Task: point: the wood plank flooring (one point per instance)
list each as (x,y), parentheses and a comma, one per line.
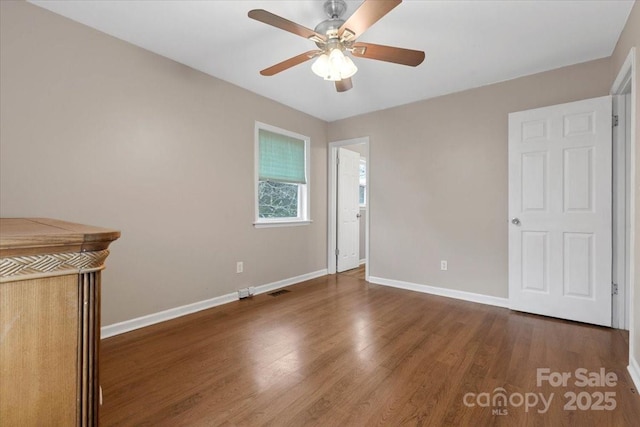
(338,351)
(358,273)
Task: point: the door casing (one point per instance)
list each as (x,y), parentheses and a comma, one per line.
(623,90)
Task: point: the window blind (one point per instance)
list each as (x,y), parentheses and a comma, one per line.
(281,158)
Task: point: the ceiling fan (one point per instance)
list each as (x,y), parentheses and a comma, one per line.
(335,36)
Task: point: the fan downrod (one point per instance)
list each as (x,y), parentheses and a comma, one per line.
(335,8)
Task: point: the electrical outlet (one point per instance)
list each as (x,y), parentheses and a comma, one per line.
(239,267)
(443,265)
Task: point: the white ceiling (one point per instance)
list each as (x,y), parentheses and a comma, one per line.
(467,44)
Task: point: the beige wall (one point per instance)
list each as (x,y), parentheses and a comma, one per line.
(629,38)
(98,131)
(439,177)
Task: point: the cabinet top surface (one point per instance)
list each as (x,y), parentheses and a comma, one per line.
(24,236)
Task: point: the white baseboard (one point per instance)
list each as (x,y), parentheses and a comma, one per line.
(172,313)
(291,281)
(443,292)
(362,261)
(634,371)
(161,316)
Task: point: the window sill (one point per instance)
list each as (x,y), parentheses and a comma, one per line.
(288,223)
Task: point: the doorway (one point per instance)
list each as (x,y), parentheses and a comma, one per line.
(361,146)
(622,229)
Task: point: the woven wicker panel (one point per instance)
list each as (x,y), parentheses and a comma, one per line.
(51,263)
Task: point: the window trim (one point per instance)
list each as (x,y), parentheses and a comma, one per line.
(304,216)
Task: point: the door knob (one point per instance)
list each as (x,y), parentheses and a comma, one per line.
(358,215)
(515,221)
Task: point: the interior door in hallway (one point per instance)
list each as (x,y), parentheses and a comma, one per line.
(560,211)
(348,209)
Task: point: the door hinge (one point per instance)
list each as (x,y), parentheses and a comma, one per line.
(614,289)
(615,120)
(337,160)
(337,252)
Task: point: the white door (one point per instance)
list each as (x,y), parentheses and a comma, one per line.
(560,211)
(348,209)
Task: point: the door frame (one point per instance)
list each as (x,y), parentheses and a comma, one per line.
(622,310)
(332,204)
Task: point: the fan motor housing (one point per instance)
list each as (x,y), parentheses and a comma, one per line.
(329,28)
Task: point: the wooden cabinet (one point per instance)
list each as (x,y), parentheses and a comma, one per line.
(50,321)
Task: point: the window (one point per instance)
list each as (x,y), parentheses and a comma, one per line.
(363,183)
(282,177)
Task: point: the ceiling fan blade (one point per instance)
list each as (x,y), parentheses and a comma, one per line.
(397,55)
(344,85)
(284,24)
(366,15)
(291,62)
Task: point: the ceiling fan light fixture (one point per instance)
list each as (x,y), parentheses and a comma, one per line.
(321,67)
(348,68)
(336,57)
(328,67)
(335,66)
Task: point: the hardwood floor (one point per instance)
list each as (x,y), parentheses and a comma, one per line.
(337,351)
(358,272)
